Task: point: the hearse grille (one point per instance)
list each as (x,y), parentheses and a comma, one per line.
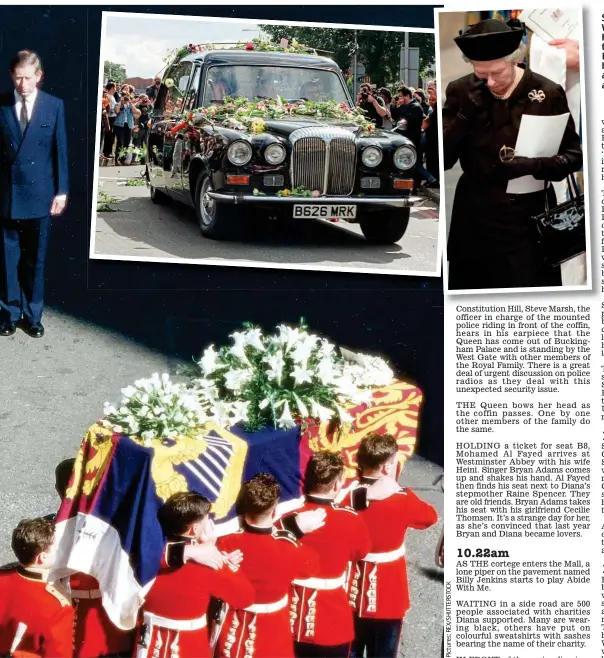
(324,159)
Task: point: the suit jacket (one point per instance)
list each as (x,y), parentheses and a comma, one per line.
(33,165)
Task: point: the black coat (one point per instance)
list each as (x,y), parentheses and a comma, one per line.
(485,219)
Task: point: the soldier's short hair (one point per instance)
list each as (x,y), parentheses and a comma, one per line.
(26,58)
(32,537)
(181,510)
(259,495)
(375,450)
(63,473)
(324,468)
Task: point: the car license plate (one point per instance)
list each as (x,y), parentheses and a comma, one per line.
(325,211)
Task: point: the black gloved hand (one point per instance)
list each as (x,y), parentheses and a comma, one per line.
(516,168)
(478,99)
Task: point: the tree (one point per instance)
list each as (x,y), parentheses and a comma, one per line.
(379,52)
(114,71)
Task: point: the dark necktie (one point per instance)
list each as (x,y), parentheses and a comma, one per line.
(23,118)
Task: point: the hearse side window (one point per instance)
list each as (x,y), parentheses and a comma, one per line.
(191,98)
(180,75)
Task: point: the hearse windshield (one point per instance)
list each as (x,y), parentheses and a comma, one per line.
(271,81)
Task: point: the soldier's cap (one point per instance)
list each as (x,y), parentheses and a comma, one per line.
(490,39)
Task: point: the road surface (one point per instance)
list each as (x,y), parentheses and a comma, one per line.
(142,230)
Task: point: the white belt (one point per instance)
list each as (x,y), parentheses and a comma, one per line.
(175,624)
(391,556)
(86,594)
(323,583)
(267,608)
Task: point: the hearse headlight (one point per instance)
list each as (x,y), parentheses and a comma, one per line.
(405,157)
(274,154)
(239,153)
(372,156)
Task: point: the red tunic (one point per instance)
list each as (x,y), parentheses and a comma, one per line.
(378,587)
(271,560)
(184,594)
(322,611)
(94,633)
(38,612)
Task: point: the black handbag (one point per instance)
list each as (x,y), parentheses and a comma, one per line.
(562,229)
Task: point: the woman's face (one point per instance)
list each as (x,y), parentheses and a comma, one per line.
(499,74)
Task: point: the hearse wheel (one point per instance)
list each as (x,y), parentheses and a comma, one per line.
(385,226)
(216,220)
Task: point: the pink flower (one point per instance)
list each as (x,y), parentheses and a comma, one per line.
(316,193)
(249,46)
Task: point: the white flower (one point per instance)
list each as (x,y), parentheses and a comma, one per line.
(239,411)
(128,392)
(165,378)
(286,419)
(236,379)
(118,429)
(326,371)
(264,404)
(301,375)
(302,408)
(209,362)
(345,417)
(123,411)
(240,343)
(276,363)
(320,412)
(253,338)
(109,409)
(326,348)
(304,349)
(288,336)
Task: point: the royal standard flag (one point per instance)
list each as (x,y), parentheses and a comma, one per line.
(107,525)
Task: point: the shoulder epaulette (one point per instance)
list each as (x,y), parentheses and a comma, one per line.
(61,598)
(284,534)
(345,508)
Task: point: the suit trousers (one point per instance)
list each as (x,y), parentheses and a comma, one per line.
(23,245)
(379,638)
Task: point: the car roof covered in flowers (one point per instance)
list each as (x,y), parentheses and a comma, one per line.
(255,57)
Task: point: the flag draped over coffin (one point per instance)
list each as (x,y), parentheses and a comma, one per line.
(108,527)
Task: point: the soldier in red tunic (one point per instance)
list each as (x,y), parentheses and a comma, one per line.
(174,615)
(272,559)
(36,619)
(321,614)
(379,590)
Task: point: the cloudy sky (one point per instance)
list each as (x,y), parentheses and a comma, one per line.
(141,42)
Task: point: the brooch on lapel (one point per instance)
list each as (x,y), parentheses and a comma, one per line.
(538,96)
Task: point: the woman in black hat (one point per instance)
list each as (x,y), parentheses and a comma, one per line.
(493,240)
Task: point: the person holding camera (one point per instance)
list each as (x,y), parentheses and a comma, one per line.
(373,106)
(126,113)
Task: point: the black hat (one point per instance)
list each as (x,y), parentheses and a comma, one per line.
(488,40)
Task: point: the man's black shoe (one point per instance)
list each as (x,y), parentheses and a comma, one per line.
(7,328)
(33,330)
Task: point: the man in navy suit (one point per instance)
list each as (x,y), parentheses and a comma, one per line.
(33,187)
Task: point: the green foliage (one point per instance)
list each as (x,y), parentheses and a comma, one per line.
(114,71)
(379,51)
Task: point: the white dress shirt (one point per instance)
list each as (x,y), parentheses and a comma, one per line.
(29,108)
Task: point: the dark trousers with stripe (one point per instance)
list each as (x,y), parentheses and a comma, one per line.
(23,244)
(306,650)
(376,638)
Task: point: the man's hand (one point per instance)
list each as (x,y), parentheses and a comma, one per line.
(206,554)
(382,489)
(571,47)
(58,205)
(235,558)
(311,520)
